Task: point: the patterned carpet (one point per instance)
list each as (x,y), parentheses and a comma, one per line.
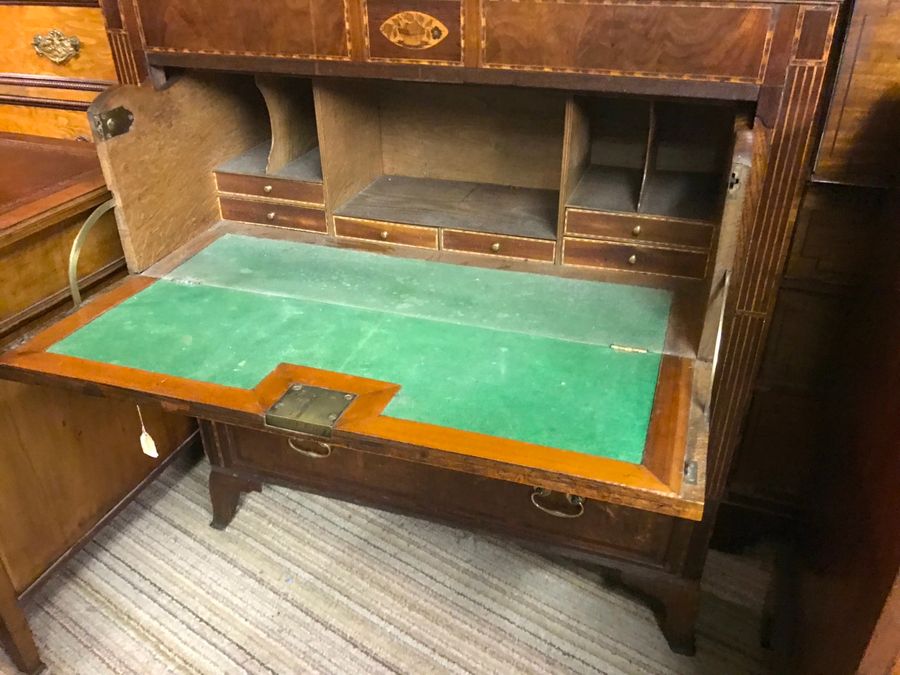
(301,584)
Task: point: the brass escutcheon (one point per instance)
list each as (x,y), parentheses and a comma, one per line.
(56,46)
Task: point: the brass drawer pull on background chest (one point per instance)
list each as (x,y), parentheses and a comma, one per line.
(322,450)
(495,247)
(56,46)
(572,505)
(632,259)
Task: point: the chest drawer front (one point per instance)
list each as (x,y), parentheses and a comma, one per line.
(497,245)
(417,31)
(272,188)
(480,502)
(637,229)
(80,50)
(299,28)
(688,40)
(388,233)
(270,213)
(630,258)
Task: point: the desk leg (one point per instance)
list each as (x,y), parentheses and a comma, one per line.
(675,601)
(15,635)
(225,491)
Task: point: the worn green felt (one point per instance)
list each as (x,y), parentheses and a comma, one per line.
(535,304)
(559,393)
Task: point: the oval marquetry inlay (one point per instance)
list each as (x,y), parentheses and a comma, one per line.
(414,30)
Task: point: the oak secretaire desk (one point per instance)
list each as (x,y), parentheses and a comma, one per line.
(470,260)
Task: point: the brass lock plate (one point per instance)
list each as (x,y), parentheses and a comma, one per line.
(309,410)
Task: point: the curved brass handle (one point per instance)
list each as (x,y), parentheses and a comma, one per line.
(78,243)
(323,451)
(56,46)
(572,500)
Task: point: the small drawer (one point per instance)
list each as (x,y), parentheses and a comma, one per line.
(416,32)
(498,245)
(587,253)
(637,228)
(71,41)
(338,470)
(270,188)
(269,213)
(389,233)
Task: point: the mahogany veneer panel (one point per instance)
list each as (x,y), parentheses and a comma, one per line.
(272,213)
(310,28)
(270,187)
(390,233)
(482,502)
(686,40)
(637,228)
(500,246)
(671,262)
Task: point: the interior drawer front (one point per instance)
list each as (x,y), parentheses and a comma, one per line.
(414,31)
(631,258)
(269,213)
(295,28)
(91,59)
(497,245)
(637,229)
(389,233)
(273,188)
(689,40)
(476,501)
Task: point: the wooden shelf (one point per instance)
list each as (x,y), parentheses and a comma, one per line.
(607,188)
(461,205)
(306,168)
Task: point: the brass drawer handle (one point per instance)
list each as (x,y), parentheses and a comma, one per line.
(495,247)
(267,189)
(573,500)
(632,259)
(315,454)
(636,231)
(56,46)
(270,215)
(384,234)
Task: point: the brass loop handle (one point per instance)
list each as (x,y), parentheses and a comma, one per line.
(78,243)
(325,449)
(574,500)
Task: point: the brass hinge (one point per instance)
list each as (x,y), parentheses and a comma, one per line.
(112,123)
(309,410)
(629,350)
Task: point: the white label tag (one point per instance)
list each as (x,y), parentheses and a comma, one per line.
(148,445)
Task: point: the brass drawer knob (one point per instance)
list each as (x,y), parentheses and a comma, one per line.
(632,259)
(384,234)
(495,246)
(270,215)
(267,189)
(570,506)
(318,450)
(56,46)
(636,231)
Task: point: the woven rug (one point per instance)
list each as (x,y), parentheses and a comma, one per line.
(299,583)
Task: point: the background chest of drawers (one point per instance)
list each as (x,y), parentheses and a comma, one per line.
(54,59)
